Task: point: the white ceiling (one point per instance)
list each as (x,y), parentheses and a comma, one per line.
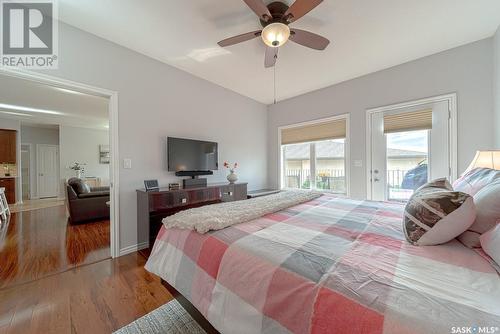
(366,36)
(34,103)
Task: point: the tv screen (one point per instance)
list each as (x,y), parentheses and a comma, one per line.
(191,155)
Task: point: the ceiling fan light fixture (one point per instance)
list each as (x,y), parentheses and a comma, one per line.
(275,34)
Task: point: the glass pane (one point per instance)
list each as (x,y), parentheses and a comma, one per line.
(407,163)
(297,172)
(330,165)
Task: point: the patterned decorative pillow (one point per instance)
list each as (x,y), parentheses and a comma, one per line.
(436,214)
(487,202)
(475,180)
(441,183)
(490,241)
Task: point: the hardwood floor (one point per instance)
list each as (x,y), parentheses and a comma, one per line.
(96,298)
(40,243)
(59,278)
(35,204)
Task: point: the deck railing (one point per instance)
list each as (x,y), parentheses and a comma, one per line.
(330,178)
(395,178)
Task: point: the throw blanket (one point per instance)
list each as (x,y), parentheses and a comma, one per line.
(219,216)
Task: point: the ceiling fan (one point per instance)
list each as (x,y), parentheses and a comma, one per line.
(275,19)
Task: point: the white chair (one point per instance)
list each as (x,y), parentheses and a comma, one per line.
(4,208)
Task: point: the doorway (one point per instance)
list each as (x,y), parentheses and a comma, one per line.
(76,88)
(408,145)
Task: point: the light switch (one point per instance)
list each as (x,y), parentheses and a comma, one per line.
(358,163)
(127,163)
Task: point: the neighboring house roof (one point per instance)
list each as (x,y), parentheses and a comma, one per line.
(335,150)
(397,153)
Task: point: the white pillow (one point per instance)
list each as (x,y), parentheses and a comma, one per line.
(487,202)
(490,241)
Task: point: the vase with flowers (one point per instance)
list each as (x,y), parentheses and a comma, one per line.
(78,168)
(232,177)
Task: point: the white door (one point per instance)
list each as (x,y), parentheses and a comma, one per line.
(47,170)
(404,159)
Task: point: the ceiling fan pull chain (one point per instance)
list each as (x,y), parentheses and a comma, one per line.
(274,71)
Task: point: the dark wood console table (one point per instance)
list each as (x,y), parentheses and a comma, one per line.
(153,206)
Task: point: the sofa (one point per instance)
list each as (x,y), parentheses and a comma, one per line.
(86,203)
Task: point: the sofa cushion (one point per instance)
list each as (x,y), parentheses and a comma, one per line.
(475,180)
(487,201)
(435,214)
(79,185)
(94,194)
(99,188)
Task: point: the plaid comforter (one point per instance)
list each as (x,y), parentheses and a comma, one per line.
(330,265)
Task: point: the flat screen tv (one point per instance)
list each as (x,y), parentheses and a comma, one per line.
(188,155)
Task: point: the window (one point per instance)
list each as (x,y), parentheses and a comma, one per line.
(407,163)
(330,165)
(314,156)
(297,158)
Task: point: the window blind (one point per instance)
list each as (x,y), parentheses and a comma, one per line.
(408,121)
(315,132)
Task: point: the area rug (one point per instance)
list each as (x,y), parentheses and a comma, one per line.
(170,318)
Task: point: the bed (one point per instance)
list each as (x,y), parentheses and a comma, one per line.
(330,265)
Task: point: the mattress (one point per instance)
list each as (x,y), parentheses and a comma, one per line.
(330,265)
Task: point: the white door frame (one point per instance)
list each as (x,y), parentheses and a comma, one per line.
(347,151)
(113,140)
(38,168)
(451,99)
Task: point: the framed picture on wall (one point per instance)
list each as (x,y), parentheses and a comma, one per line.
(104,154)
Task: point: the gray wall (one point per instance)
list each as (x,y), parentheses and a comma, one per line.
(39,135)
(82,145)
(466,70)
(155,101)
(496,86)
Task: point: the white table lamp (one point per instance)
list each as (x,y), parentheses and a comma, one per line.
(486,159)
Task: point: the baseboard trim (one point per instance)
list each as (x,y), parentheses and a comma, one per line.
(133,248)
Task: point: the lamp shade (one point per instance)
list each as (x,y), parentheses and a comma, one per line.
(275,34)
(486,159)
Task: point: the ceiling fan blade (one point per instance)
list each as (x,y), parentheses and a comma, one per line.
(240,38)
(300,8)
(271,57)
(309,39)
(260,9)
